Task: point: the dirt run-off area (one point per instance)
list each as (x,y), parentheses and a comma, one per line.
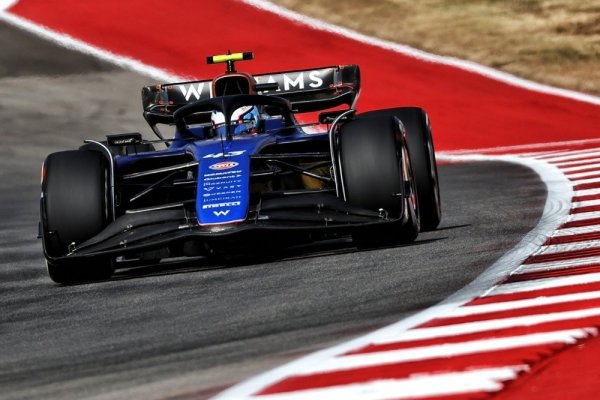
(556,42)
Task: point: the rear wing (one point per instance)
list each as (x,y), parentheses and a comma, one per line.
(307,90)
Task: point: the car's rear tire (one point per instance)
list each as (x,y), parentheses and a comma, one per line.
(75,207)
(420,143)
(371,157)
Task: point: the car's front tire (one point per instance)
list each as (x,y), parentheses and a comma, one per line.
(75,207)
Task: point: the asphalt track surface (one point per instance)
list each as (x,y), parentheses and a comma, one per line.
(188,330)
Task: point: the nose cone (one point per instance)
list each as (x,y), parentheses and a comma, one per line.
(222,196)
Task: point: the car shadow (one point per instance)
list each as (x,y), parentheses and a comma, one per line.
(451,227)
(137,269)
(302,251)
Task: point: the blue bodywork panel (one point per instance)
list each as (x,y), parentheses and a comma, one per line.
(222,195)
(223,192)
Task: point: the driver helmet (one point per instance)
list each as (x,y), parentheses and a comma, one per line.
(244,120)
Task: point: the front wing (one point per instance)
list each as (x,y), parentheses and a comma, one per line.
(280,221)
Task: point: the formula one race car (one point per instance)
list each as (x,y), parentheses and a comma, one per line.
(240,171)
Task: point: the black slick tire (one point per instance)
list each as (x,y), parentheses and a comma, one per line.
(422,153)
(75,207)
(372,154)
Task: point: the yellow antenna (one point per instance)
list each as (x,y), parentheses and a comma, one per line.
(230,58)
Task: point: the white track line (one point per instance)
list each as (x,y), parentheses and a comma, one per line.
(570,156)
(517,304)
(78,45)
(575,231)
(551,156)
(543,155)
(568,247)
(583,175)
(535,154)
(422,55)
(6,4)
(444,331)
(450,350)
(586,181)
(586,203)
(546,283)
(589,169)
(586,192)
(554,265)
(583,216)
(570,170)
(483,380)
(588,162)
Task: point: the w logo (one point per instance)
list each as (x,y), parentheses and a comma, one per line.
(221,213)
(195,91)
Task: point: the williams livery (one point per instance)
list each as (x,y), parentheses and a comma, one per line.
(237,172)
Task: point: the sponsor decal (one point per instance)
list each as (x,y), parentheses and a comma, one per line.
(220,176)
(229,193)
(221,205)
(123,141)
(221,213)
(297,80)
(224,165)
(193,90)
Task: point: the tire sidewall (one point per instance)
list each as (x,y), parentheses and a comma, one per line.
(75,202)
(422,153)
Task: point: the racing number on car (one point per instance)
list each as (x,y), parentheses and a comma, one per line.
(229,154)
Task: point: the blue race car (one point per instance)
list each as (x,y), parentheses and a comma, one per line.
(239,166)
